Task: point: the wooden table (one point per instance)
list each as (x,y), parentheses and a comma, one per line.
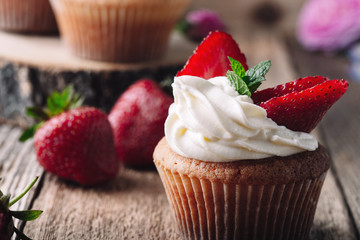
(134,205)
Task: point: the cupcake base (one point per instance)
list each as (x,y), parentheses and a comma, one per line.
(117,31)
(208,205)
(30,16)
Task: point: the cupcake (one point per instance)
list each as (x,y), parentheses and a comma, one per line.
(228,169)
(118,30)
(30,16)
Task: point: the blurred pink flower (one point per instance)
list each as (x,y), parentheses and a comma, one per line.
(202,22)
(329,25)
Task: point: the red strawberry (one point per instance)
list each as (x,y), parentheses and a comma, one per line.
(301,104)
(210,59)
(289,87)
(76,145)
(138,119)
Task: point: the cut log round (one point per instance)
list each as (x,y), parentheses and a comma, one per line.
(31,67)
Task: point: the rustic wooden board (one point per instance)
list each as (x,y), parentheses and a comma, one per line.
(332,220)
(134,205)
(18,167)
(340,126)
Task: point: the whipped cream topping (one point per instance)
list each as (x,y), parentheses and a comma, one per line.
(210,121)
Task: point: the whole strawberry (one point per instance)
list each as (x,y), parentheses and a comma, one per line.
(137,119)
(7,228)
(72,142)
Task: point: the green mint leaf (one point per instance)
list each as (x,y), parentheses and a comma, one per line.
(30,132)
(238,83)
(256,74)
(252,78)
(237,67)
(27,215)
(253,86)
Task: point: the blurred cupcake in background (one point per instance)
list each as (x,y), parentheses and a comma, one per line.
(27,16)
(197,24)
(118,30)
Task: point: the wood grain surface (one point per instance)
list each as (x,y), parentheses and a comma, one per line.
(340,126)
(134,205)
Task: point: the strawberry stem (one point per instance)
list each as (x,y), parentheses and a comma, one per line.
(21,235)
(14,200)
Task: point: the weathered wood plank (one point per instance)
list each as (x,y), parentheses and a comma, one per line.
(18,167)
(331,218)
(340,127)
(133,206)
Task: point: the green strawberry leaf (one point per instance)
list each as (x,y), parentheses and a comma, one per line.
(21,235)
(57,103)
(251,78)
(238,83)
(37,113)
(53,106)
(30,132)
(76,101)
(27,215)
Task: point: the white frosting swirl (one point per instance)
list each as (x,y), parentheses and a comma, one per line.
(210,121)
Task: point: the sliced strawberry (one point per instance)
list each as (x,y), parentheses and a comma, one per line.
(301,108)
(289,87)
(210,59)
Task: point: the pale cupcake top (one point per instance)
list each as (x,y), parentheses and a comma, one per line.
(210,121)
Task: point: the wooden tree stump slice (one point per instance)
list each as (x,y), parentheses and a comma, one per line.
(31,67)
